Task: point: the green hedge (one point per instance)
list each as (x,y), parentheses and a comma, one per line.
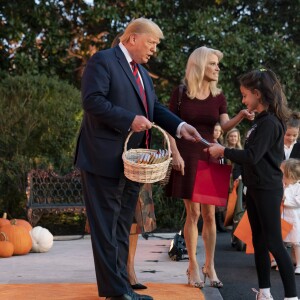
(39,120)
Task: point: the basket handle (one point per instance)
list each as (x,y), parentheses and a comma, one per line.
(155,126)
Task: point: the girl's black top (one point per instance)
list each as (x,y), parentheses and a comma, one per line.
(262,153)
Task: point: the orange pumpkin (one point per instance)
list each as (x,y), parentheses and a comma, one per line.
(19,236)
(6,247)
(3,220)
(24,223)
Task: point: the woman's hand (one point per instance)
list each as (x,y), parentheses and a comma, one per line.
(248,115)
(178,163)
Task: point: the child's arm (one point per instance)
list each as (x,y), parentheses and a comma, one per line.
(291,198)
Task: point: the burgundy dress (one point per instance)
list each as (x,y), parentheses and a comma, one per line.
(203,115)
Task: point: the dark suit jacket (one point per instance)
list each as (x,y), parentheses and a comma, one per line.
(296,151)
(111,100)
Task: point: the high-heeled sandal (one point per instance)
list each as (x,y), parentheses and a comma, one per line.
(213,283)
(191,282)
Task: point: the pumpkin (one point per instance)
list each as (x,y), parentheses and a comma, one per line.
(3,220)
(6,247)
(42,239)
(19,236)
(24,223)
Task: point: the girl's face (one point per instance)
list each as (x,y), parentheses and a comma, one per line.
(251,99)
(232,139)
(291,136)
(217,132)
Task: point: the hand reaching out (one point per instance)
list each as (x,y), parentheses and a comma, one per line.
(189,133)
(248,115)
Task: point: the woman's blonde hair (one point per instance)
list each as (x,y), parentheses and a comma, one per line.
(291,168)
(238,144)
(195,70)
(140,26)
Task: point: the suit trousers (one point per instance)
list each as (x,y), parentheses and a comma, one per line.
(110,205)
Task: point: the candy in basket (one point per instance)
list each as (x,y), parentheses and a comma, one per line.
(146,165)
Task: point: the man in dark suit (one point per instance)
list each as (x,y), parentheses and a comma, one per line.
(113,104)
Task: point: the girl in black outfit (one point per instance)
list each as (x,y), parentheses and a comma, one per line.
(260,160)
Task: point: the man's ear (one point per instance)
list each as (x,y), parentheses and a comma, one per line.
(132,39)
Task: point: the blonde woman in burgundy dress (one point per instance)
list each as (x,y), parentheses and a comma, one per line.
(203,105)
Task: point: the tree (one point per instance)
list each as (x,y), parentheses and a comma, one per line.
(37,129)
(56,37)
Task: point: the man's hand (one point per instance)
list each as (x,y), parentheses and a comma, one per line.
(140,123)
(189,133)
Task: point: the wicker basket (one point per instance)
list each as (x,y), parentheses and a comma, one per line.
(145,173)
(166,180)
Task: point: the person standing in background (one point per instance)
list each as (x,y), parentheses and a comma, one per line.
(219,214)
(218,134)
(233,140)
(260,159)
(291,150)
(291,205)
(118,96)
(291,144)
(203,105)
(144,222)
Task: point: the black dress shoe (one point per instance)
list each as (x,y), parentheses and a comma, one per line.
(123,297)
(141,297)
(130,296)
(138,286)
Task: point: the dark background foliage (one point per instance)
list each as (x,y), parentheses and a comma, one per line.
(38,125)
(44,46)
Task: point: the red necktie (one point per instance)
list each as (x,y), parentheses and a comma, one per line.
(142,93)
(136,75)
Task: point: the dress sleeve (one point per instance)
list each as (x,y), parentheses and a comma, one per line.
(173,102)
(223,105)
